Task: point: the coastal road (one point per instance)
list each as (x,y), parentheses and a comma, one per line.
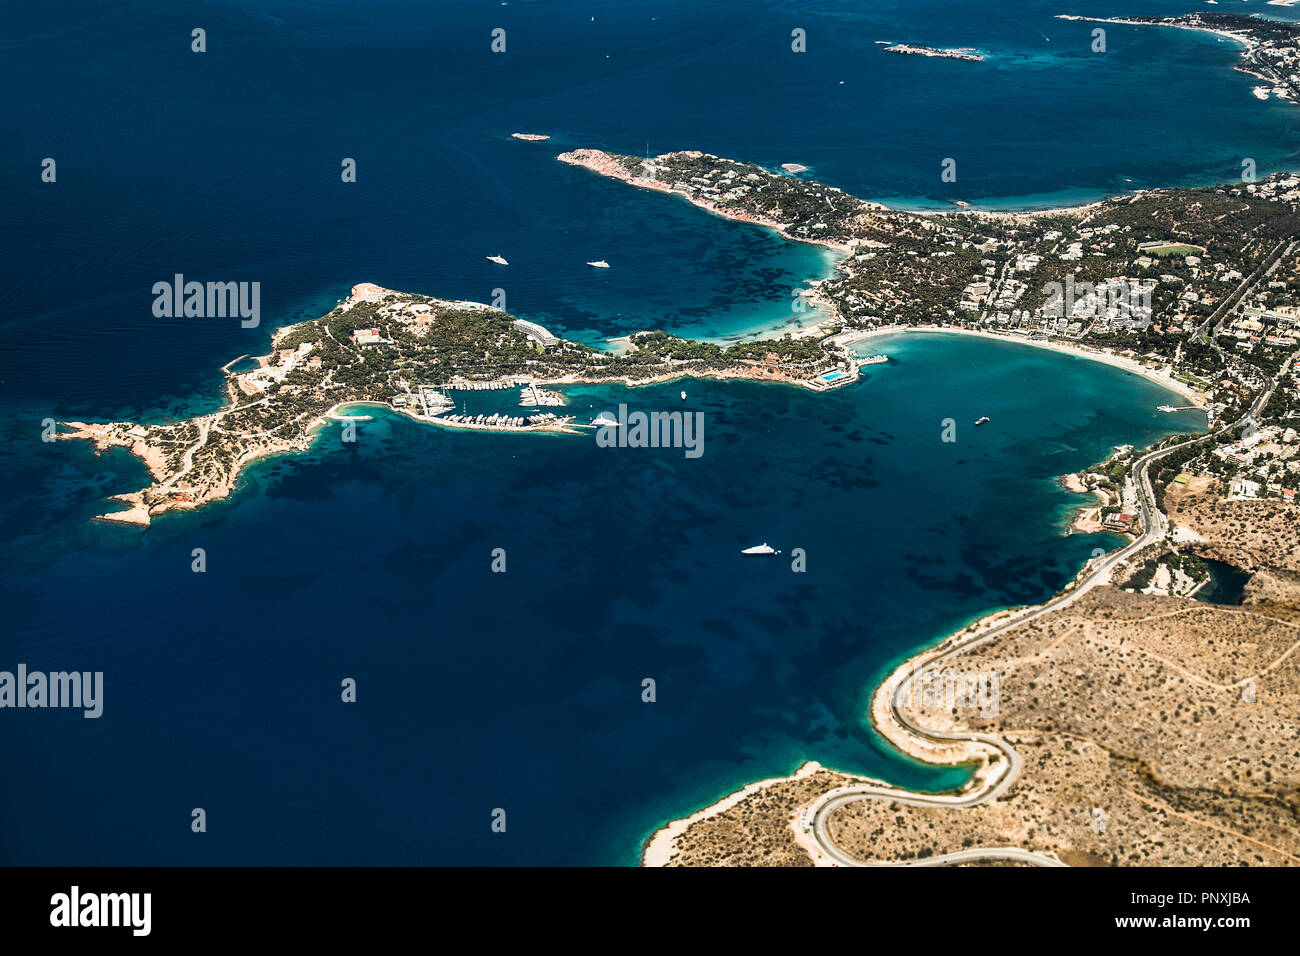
(1155,525)
(829,802)
(1252,58)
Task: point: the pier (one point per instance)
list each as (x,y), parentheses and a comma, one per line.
(468,385)
(433,401)
(532,396)
(544,421)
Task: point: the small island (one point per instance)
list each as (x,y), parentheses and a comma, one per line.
(932,51)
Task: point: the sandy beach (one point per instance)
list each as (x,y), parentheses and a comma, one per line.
(1087,518)
(604,164)
(1096,355)
(1245,41)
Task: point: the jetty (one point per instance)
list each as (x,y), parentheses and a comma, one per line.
(544,421)
(493,385)
(531,396)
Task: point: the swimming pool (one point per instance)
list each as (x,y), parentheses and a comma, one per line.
(832,376)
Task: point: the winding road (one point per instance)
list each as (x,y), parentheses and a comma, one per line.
(1155,525)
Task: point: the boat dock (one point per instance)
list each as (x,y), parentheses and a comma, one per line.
(544,421)
(433,401)
(468,385)
(532,396)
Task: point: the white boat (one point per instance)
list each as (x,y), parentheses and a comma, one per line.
(981,420)
(683,396)
(499,260)
(760,549)
(599,264)
(605,420)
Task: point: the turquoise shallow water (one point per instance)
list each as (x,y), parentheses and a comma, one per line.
(522,690)
(372,560)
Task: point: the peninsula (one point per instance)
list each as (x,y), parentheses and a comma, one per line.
(1129,714)
(1122,700)
(1210,325)
(408,353)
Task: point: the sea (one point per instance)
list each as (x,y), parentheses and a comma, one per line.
(500,602)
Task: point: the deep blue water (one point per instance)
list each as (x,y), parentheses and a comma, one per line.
(372,561)
(521,690)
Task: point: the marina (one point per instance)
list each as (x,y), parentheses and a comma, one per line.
(494,385)
(433,401)
(531,396)
(435,404)
(504,422)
